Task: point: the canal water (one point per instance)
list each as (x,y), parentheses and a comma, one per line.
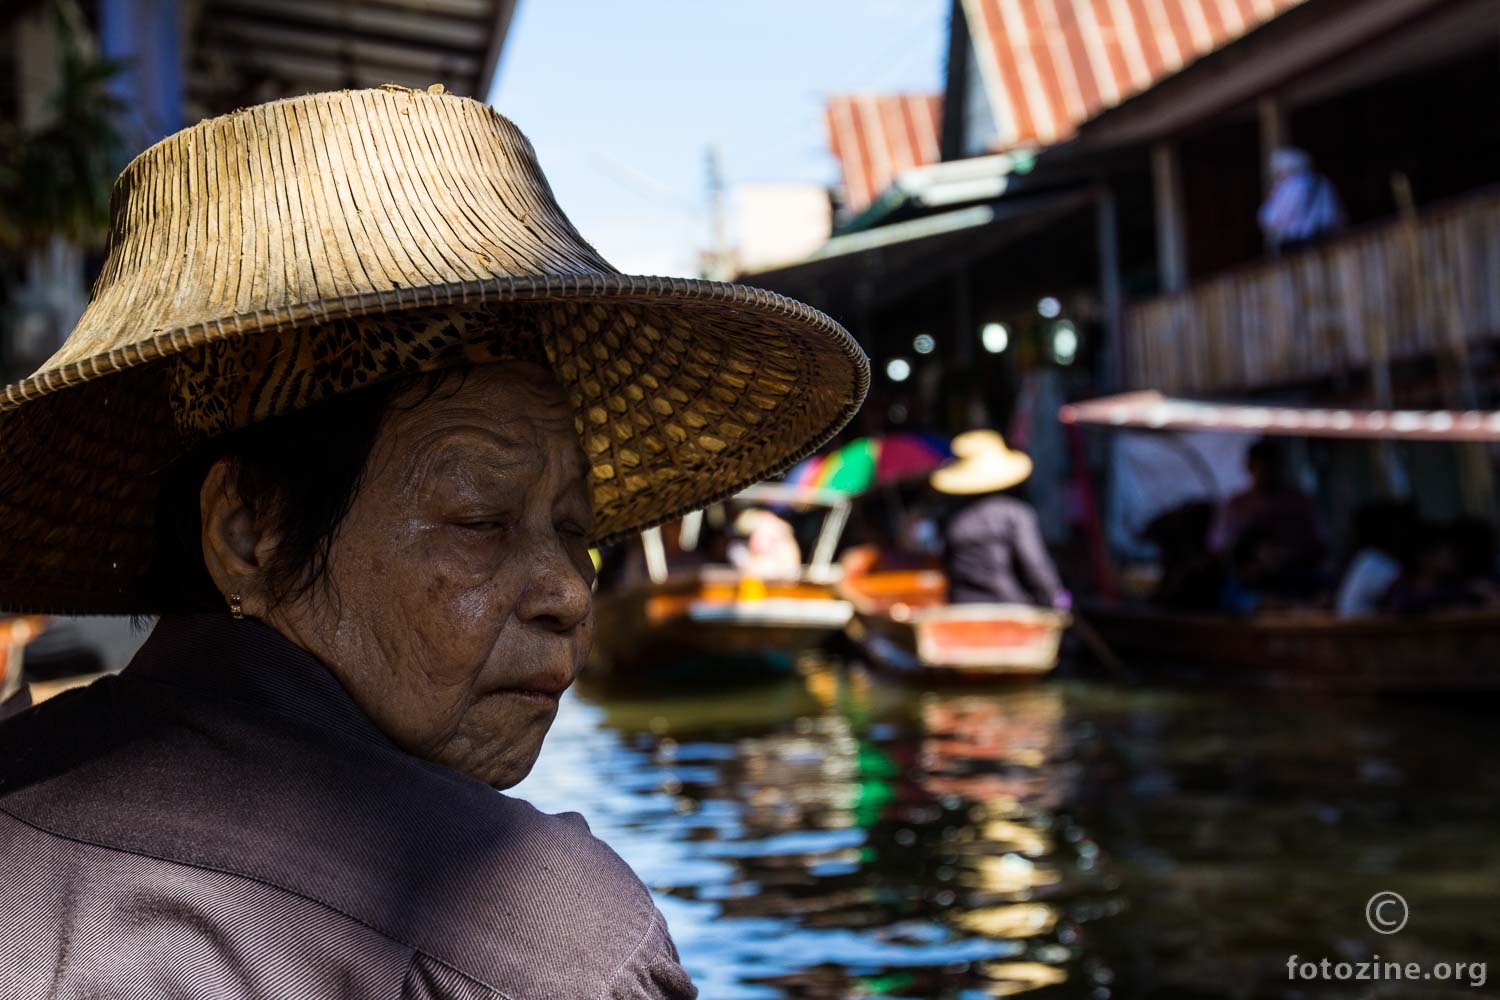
(833,835)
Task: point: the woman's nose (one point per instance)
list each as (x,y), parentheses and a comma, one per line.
(558,597)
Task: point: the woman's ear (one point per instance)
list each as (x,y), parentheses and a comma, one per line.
(237,548)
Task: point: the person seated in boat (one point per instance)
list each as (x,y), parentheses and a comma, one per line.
(765,547)
(992,546)
(912,543)
(1383,534)
(1450,566)
(1192,577)
(354,467)
(1475,546)
(1272,535)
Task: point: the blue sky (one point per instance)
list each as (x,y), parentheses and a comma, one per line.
(621,100)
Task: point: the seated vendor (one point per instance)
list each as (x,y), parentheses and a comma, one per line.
(992,547)
(1271,534)
(765,547)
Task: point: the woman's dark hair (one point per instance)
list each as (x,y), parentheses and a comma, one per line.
(1266,455)
(1474,546)
(1387,525)
(302,470)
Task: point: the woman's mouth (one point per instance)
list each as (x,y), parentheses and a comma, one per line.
(539,689)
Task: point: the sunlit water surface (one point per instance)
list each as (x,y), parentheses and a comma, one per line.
(832,835)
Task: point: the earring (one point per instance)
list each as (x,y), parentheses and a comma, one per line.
(235,610)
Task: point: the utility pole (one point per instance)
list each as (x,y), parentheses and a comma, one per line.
(719,266)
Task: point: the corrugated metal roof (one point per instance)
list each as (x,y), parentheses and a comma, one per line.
(877,136)
(248,51)
(1049,65)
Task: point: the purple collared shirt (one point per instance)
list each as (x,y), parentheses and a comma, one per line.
(222,820)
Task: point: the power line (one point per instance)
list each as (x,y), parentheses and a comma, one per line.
(865,74)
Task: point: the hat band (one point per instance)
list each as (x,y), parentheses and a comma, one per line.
(233,383)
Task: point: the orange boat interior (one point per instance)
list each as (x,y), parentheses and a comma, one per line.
(985,633)
(670,605)
(879,587)
(898,591)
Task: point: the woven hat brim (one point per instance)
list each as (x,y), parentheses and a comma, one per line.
(686,392)
(988,473)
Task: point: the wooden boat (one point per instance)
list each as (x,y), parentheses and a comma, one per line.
(714,623)
(1449,651)
(902,626)
(15,632)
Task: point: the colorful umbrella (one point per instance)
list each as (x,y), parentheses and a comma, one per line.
(869,462)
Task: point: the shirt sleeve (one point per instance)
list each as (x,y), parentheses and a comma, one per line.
(429,979)
(1032,558)
(653,971)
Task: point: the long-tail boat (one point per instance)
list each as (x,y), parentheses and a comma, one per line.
(903,626)
(1441,651)
(1447,651)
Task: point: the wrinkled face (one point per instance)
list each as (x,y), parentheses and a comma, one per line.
(458,604)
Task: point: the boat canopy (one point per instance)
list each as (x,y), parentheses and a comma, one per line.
(1152,411)
(819,568)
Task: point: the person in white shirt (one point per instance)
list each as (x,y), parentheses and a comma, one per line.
(1302,207)
(1382,532)
(766,547)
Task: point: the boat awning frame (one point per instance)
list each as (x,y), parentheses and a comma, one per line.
(1152,411)
(819,568)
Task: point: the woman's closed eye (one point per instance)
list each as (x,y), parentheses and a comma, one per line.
(486,523)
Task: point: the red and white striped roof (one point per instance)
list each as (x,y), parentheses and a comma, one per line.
(1049,65)
(877,136)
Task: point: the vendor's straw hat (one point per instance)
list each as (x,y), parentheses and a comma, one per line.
(245,249)
(985,464)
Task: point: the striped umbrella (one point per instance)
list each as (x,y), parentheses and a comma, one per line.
(870,462)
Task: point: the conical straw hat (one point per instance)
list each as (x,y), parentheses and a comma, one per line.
(984,464)
(245,253)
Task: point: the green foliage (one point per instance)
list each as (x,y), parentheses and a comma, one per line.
(56,180)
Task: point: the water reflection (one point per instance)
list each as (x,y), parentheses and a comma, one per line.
(832,836)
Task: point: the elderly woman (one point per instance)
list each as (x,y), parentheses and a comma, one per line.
(349,406)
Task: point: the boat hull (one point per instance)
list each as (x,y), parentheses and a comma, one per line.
(1451,652)
(707,630)
(976,643)
(902,627)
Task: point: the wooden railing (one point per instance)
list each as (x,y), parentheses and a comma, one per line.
(1391,292)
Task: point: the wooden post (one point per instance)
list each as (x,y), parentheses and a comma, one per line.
(1171,221)
(1455,370)
(1273,134)
(863,326)
(1271,115)
(964,333)
(971,410)
(1111,294)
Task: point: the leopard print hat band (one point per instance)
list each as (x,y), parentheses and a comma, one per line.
(235,383)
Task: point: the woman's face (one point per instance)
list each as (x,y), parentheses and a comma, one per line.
(458,604)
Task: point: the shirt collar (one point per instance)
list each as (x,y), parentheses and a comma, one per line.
(247,662)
